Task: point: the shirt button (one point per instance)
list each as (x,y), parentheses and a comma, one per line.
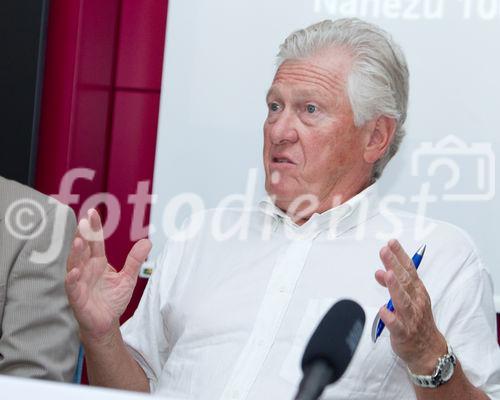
(282,289)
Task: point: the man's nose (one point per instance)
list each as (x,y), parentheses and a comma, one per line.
(284,129)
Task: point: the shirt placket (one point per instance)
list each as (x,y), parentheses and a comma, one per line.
(276,300)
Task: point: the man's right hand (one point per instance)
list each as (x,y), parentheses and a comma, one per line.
(98,293)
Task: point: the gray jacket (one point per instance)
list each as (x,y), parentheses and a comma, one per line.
(38,333)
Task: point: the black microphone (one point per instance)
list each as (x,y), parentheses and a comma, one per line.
(331,348)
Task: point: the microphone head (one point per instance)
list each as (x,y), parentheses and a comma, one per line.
(336,338)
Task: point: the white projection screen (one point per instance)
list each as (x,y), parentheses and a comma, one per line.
(219,63)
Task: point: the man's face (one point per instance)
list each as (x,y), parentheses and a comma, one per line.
(311,146)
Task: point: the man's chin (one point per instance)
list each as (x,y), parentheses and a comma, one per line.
(281,198)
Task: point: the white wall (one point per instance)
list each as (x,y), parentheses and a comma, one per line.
(219,63)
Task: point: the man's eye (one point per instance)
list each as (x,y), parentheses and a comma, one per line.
(311,108)
(274,106)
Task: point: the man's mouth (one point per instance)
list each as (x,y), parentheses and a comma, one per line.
(282,160)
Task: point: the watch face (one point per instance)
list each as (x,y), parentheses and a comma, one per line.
(447,370)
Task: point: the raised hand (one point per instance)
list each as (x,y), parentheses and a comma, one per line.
(415,337)
(98,293)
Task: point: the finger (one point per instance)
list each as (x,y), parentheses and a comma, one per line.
(392,322)
(82,253)
(91,230)
(135,258)
(391,263)
(400,297)
(97,248)
(77,264)
(403,258)
(75,290)
(72,278)
(74,255)
(79,254)
(71,285)
(380,277)
(79,237)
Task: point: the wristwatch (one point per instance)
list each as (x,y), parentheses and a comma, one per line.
(442,373)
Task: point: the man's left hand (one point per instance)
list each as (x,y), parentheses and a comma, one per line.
(415,337)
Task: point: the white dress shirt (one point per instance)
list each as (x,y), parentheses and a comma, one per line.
(229,319)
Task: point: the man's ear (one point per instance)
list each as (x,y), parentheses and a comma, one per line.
(380,138)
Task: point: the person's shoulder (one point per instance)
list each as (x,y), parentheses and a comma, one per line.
(14,195)
(452,259)
(448,245)
(433,228)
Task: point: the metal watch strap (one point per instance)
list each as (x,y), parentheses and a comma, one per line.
(436,379)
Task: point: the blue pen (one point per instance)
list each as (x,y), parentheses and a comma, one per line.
(417,258)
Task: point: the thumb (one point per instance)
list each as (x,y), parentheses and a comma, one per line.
(136,257)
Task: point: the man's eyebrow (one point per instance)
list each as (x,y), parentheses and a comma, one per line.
(307,92)
(272,91)
(300,93)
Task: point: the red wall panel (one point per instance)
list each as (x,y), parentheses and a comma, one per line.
(78,93)
(140,48)
(131,160)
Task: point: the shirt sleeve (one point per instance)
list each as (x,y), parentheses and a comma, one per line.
(144,333)
(466,316)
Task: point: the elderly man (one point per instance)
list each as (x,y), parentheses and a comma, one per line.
(38,333)
(229,317)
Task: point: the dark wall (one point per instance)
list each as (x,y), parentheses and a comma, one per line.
(22,46)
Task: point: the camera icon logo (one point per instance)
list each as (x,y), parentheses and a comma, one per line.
(470,168)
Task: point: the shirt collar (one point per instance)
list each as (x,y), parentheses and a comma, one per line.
(331,218)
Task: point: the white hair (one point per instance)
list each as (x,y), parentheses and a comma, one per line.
(378,81)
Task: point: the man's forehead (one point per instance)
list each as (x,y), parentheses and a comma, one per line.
(310,75)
